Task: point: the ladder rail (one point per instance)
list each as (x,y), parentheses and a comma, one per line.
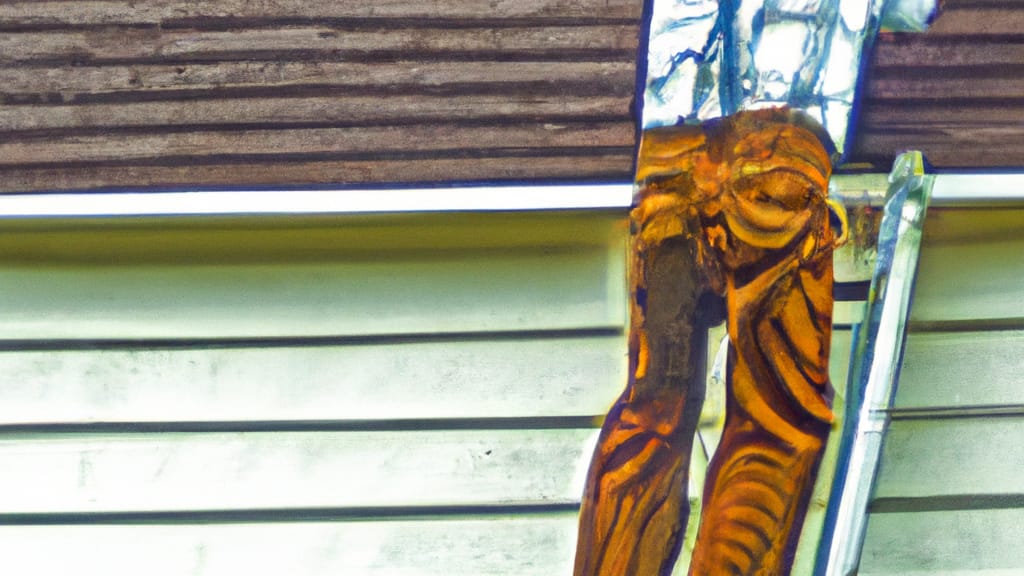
(874,373)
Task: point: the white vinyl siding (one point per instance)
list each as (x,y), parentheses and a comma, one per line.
(379,394)
(949,498)
(305,395)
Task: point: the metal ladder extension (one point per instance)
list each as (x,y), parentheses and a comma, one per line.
(874,371)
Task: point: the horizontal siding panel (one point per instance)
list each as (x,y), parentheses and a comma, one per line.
(169,13)
(923,51)
(967,543)
(468,164)
(484,293)
(323,143)
(313,111)
(971,279)
(287,43)
(952,458)
(531,376)
(73,473)
(505,378)
(961,572)
(876,116)
(973,226)
(433,237)
(927,84)
(976,19)
(534,545)
(962,369)
(967,4)
(299,80)
(946,145)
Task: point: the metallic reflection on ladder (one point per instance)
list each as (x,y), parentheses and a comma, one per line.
(874,371)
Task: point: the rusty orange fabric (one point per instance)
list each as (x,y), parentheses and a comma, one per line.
(731,217)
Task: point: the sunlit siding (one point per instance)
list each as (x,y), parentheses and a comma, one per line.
(950,494)
(359,395)
(314,397)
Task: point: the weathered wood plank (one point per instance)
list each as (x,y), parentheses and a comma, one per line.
(539,165)
(928,84)
(531,545)
(969,543)
(966,115)
(328,143)
(482,292)
(959,369)
(919,51)
(131,83)
(314,112)
(978,20)
(536,377)
(59,473)
(310,43)
(964,4)
(944,145)
(952,457)
(950,91)
(169,13)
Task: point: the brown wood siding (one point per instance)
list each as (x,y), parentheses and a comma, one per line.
(955,92)
(109,94)
(163,93)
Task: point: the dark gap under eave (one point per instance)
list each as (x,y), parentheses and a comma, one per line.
(423,120)
(954,103)
(574,87)
(949,503)
(952,74)
(11,432)
(369,56)
(326,156)
(279,515)
(307,341)
(958,412)
(382,23)
(966,325)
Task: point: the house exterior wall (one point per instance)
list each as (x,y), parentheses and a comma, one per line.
(361,394)
(152,95)
(403,394)
(949,492)
(115,95)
